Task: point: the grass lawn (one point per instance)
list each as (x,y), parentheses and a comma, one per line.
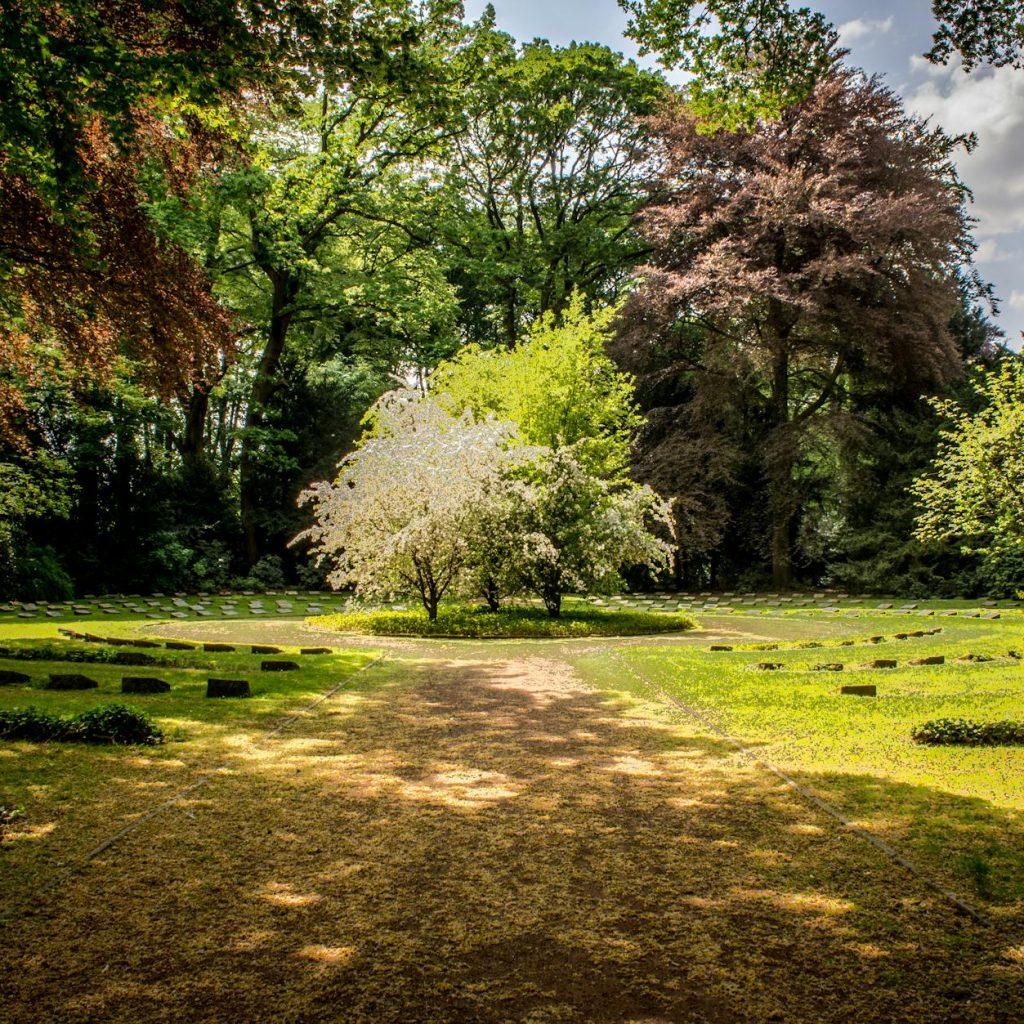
(956,811)
(75,796)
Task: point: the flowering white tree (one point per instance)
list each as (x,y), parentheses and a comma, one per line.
(579,530)
(399,516)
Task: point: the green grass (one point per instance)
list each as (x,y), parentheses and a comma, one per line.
(73,796)
(456,620)
(959,810)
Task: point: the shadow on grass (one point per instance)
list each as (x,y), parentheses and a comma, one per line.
(486,842)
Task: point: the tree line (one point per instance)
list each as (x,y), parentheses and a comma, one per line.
(228,229)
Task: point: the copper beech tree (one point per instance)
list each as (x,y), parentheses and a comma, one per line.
(793,260)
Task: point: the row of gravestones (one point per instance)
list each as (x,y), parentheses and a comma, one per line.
(216,687)
(177,607)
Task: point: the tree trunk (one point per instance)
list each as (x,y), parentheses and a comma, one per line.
(285,290)
(781,502)
(491,595)
(193,437)
(553,603)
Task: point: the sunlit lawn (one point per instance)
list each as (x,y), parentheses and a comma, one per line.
(957,810)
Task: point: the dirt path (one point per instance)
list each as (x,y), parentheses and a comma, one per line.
(494,841)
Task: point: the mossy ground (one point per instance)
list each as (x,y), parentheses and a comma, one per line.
(526,831)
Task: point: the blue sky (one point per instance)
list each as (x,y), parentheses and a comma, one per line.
(884,38)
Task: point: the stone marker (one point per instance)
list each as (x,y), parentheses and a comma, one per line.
(860,690)
(149,644)
(143,684)
(227,688)
(769,666)
(882,663)
(932,659)
(13,678)
(831,666)
(70,681)
(316,650)
(179,645)
(264,649)
(137,658)
(719,647)
(217,648)
(991,615)
(279,666)
(876,639)
(847,643)
(975,657)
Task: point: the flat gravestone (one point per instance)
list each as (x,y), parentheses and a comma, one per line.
(279,666)
(831,666)
(860,690)
(932,659)
(217,648)
(882,663)
(316,650)
(8,678)
(144,684)
(135,658)
(264,649)
(179,645)
(769,666)
(70,681)
(227,688)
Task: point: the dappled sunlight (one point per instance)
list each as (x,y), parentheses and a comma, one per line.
(488,841)
(802,902)
(331,955)
(282,894)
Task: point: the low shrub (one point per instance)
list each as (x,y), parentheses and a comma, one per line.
(111,724)
(513,623)
(965,733)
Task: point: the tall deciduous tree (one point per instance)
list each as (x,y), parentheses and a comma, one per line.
(795,257)
(333,184)
(544,181)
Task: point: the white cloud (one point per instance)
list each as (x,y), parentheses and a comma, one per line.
(858,28)
(989,103)
(1016,300)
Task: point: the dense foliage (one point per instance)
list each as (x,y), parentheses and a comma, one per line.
(227,229)
(974,494)
(962,732)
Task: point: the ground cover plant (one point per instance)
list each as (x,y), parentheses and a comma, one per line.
(112,724)
(474,621)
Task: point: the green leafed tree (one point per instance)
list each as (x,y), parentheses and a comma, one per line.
(557,385)
(749,58)
(980,31)
(975,492)
(544,180)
